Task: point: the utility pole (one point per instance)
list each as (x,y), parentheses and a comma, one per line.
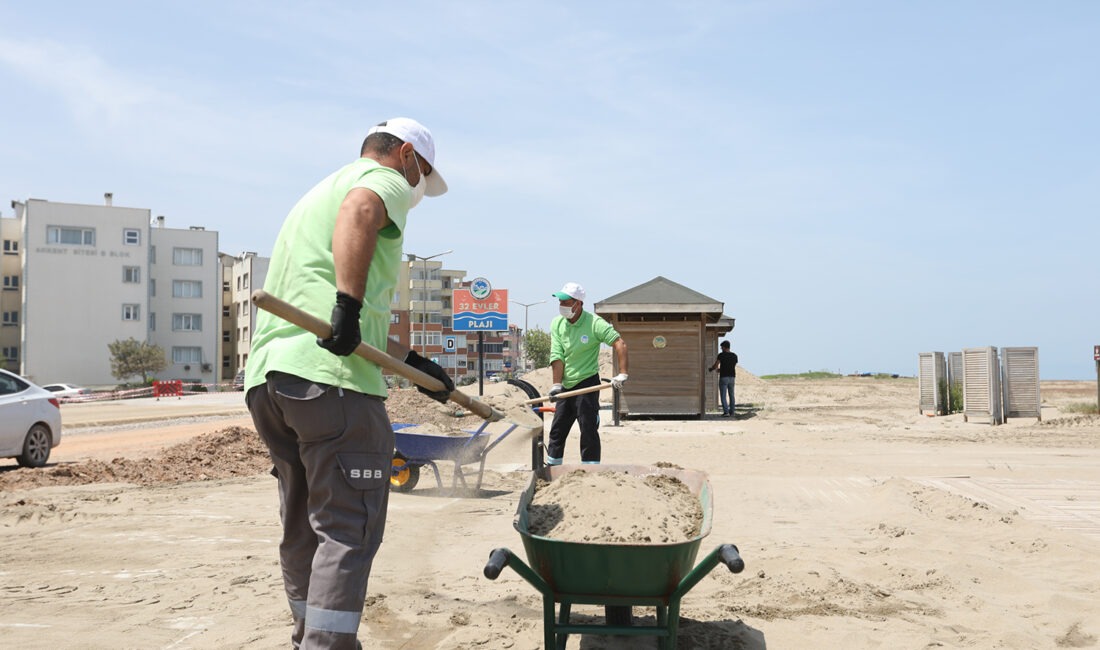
(526,306)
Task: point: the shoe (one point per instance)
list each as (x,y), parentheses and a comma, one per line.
(725,415)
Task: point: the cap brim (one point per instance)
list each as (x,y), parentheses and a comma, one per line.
(436,185)
(562,296)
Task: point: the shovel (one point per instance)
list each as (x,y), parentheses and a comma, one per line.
(320,328)
(569,393)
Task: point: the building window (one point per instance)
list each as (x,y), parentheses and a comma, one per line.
(435,339)
(394,318)
(187,256)
(244,279)
(396,298)
(131,237)
(225,287)
(11,318)
(186,289)
(226,311)
(131,312)
(152,321)
(152,287)
(186,354)
(225,361)
(11,247)
(227,336)
(11,354)
(187,322)
(11,282)
(131,274)
(74,236)
(152,254)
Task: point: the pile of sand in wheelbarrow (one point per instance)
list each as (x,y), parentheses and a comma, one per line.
(615,507)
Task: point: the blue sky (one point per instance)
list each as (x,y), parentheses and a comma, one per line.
(857,181)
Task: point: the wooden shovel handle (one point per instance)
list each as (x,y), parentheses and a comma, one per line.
(570,393)
(321,329)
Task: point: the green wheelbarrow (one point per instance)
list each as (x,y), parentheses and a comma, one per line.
(618,576)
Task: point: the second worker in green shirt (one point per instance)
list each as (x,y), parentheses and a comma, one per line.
(575,338)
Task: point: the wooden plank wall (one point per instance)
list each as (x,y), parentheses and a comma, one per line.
(664,380)
(1021,385)
(982,385)
(710,379)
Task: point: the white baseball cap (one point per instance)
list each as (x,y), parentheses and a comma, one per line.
(571,290)
(409,130)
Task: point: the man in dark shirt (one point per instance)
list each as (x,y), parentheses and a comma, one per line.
(726,365)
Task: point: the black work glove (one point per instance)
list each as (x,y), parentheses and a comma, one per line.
(432,369)
(554,390)
(345,335)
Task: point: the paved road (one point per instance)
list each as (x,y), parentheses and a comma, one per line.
(75,416)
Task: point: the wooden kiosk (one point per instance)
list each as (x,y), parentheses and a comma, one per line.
(672,334)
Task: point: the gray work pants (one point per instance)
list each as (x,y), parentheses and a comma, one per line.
(332,449)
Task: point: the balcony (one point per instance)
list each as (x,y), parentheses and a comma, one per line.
(431,285)
(422,306)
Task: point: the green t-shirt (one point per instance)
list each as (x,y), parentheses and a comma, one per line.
(577,345)
(302,273)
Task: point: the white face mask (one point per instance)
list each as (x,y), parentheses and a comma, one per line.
(416,192)
(567,312)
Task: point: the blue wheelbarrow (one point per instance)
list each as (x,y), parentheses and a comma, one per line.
(415,450)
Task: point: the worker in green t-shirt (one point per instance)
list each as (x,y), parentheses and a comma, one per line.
(319,409)
(575,338)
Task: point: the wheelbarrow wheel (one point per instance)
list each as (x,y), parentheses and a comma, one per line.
(619,615)
(403,475)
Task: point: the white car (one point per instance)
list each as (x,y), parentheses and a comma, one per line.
(67,391)
(30,421)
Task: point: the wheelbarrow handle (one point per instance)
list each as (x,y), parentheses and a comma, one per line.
(502,557)
(731,557)
(321,329)
(498,559)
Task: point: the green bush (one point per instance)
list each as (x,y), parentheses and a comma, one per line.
(955,394)
(812,374)
(1081,407)
(950,396)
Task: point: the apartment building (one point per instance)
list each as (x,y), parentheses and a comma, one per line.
(420,316)
(248,274)
(228,321)
(77,277)
(11,293)
(184,297)
(88,275)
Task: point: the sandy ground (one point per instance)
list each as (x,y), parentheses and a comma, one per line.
(862,523)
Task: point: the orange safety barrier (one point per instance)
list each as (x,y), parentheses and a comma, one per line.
(168,388)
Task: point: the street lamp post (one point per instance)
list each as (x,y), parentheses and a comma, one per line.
(423,303)
(526,306)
